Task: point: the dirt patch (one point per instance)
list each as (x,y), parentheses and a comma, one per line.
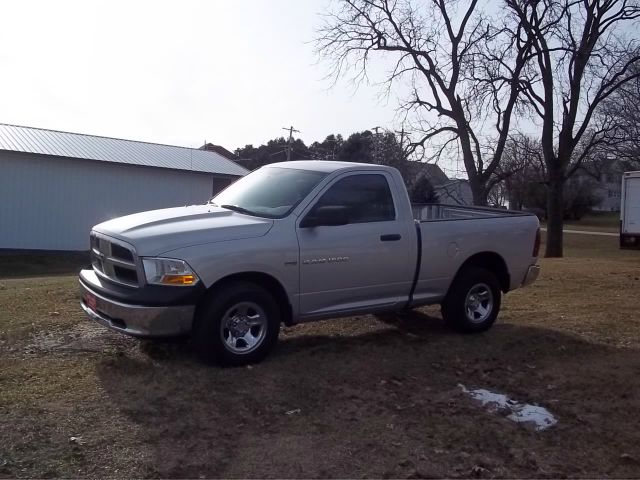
(82,337)
(358,397)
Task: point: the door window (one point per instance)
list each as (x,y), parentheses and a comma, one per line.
(367,198)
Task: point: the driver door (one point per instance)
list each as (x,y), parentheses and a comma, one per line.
(358,265)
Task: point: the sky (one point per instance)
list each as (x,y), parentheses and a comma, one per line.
(228,72)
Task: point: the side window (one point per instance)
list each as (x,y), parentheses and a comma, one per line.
(367,198)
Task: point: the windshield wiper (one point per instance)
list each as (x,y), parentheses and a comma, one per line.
(237,208)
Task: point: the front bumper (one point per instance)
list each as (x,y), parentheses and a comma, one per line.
(136,320)
(531,276)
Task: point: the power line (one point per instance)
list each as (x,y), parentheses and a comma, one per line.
(277,153)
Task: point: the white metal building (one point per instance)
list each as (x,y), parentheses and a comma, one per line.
(54,186)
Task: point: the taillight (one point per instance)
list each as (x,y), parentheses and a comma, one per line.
(536,244)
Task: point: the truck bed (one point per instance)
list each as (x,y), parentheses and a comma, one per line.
(431,212)
(446,241)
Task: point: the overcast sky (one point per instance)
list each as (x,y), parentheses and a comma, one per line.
(231,72)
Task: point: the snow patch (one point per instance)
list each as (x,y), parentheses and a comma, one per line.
(540,417)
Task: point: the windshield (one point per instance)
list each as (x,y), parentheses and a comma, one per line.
(271,192)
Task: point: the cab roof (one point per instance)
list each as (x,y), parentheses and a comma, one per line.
(327,166)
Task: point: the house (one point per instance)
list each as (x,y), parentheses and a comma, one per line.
(609,191)
(456,191)
(606,176)
(220,150)
(449,191)
(54,186)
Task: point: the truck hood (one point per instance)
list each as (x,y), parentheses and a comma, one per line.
(159,231)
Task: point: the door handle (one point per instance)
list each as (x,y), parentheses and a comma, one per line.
(393,237)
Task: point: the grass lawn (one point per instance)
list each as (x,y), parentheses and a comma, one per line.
(341,398)
(597,222)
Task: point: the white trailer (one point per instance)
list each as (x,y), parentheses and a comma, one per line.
(630,211)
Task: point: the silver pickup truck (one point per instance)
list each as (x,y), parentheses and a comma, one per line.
(300,241)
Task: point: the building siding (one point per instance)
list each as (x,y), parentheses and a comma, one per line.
(455,192)
(51,203)
(610,195)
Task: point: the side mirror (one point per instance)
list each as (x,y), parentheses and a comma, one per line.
(327,216)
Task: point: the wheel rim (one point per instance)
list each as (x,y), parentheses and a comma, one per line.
(243,327)
(479,303)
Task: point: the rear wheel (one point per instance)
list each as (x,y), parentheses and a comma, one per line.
(237,324)
(473,301)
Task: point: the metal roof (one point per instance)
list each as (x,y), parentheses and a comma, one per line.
(75,145)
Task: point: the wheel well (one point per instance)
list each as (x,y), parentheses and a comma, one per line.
(269,283)
(494,263)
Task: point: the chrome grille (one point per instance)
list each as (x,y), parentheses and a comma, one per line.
(114,260)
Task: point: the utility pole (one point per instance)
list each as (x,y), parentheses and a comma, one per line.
(376,142)
(402,134)
(290,142)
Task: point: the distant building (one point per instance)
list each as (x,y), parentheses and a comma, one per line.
(607,174)
(416,170)
(609,190)
(455,192)
(210,147)
(54,186)
(449,191)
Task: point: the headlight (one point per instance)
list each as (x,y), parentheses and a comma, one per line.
(168,271)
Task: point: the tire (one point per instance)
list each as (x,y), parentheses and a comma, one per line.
(237,324)
(473,302)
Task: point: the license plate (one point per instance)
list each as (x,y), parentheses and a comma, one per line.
(90,301)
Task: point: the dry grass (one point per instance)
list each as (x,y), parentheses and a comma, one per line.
(374,398)
(591,293)
(597,222)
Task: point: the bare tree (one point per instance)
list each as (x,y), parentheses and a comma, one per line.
(580,57)
(498,195)
(622,109)
(523,160)
(528,186)
(462,70)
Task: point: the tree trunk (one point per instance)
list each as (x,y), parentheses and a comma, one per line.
(478,191)
(476,183)
(555,214)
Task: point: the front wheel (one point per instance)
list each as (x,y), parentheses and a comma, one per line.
(473,301)
(237,324)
